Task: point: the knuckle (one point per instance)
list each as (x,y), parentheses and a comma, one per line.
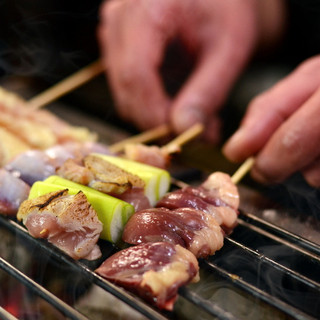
(127,77)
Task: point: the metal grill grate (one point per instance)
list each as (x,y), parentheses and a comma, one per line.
(301,277)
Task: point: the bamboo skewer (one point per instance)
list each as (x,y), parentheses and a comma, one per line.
(236,177)
(176,143)
(159,156)
(77,79)
(143,137)
(172,147)
(242,170)
(70,83)
(87,73)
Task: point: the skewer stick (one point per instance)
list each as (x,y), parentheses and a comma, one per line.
(174,145)
(70,83)
(242,170)
(143,137)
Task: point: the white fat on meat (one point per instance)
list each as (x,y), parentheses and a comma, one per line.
(207,199)
(67,221)
(13,191)
(227,191)
(211,237)
(193,229)
(176,271)
(154,271)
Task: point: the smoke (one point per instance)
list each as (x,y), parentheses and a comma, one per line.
(296,194)
(46,38)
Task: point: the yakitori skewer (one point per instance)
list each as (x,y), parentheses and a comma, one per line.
(183,138)
(235,178)
(160,156)
(70,83)
(143,137)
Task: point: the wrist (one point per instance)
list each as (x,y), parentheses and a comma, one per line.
(272,15)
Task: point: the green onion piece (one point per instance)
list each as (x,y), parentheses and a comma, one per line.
(112,212)
(157,180)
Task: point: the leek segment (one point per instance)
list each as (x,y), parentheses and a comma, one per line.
(112,212)
(157,180)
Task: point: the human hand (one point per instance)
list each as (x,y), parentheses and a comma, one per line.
(282,128)
(134,35)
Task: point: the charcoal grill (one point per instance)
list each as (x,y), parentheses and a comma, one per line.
(264,271)
(285,279)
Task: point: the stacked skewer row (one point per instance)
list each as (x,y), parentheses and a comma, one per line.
(65,185)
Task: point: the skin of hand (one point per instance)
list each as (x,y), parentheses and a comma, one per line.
(281,128)
(134,35)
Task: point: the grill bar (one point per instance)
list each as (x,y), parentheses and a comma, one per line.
(295,275)
(116,291)
(42,292)
(211,308)
(291,237)
(80,268)
(274,233)
(269,299)
(5,315)
(279,240)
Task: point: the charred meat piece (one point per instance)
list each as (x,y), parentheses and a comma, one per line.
(192,229)
(99,174)
(13,191)
(67,221)
(154,271)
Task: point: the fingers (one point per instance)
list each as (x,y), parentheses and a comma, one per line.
(270,110)
(293,147)
(207,88)
(132,63)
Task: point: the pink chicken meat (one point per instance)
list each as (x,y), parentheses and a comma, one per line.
(13,191)
(192,229)
(217,196)
(154,271)
(67,221)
